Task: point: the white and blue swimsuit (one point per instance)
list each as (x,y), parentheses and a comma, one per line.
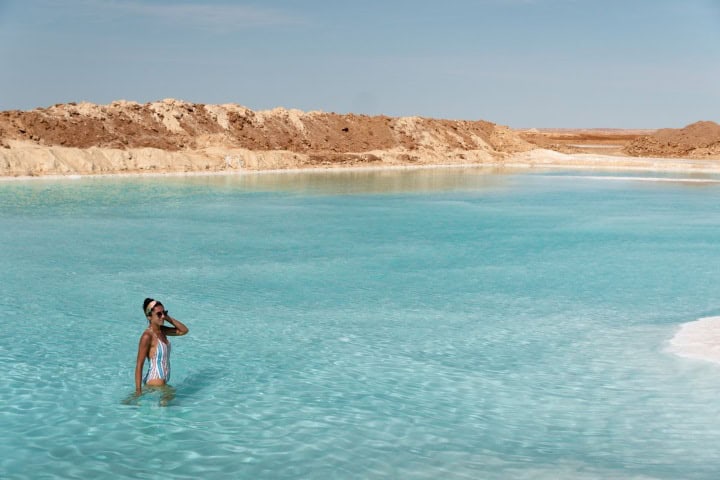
(159,363)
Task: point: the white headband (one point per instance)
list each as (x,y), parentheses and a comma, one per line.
(150,306)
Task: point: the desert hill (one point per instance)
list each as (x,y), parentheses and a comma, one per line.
(173,135)
(698,140)
(177,136)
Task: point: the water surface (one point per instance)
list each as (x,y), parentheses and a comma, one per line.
(451,323)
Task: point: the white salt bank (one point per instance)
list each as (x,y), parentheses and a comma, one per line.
(699,340)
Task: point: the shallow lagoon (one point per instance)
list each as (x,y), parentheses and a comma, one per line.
(454,323)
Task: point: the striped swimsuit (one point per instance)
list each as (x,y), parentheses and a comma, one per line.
(159,363)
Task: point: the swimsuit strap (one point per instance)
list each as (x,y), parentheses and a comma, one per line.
(158,337)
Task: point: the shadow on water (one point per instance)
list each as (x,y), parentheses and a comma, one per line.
(197,382)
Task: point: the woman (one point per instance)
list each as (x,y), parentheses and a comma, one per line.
(155,346)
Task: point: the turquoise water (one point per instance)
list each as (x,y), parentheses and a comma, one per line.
(419,324)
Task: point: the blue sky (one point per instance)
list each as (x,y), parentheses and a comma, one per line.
(522,63)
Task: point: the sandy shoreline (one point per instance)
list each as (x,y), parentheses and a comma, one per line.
(532,160)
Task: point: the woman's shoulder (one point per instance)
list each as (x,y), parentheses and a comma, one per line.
(147,336)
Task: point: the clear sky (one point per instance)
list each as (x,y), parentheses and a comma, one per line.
(522,63)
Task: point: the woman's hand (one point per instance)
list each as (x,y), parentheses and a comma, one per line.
(179,327)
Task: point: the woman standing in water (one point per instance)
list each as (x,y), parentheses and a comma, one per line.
(155,346)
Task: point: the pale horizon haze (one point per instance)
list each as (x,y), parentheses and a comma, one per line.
(521,63)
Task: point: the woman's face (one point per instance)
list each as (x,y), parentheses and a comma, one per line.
(157,314)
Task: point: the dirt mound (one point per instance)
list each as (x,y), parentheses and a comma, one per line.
(698,140)
(606,141)
(176,126)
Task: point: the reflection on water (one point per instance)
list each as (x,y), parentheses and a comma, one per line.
(73,195)
(307,181)
(348,181)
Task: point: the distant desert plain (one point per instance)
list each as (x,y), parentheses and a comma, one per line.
(174,136)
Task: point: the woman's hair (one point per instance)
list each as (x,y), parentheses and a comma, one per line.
(149,304)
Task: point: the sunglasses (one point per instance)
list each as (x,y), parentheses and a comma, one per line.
(162,314)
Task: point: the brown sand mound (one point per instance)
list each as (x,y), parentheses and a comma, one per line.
(177,136)
(173,125)
(698,140)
